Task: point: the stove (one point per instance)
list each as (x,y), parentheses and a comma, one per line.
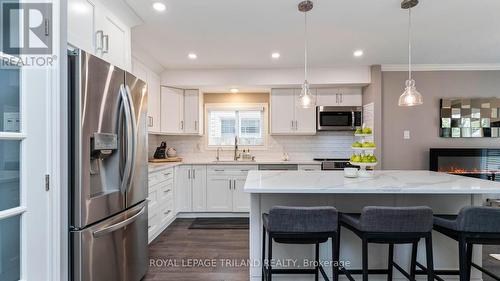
(332,164)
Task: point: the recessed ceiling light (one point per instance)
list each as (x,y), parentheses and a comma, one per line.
(358,53)
(275,55)
(192,56)
(234,90)
(159,6)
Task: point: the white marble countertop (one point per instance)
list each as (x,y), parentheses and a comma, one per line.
(383,182)
(159,166)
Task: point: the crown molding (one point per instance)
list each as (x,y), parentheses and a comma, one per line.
(440,67)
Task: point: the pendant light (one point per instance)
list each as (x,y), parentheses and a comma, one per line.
(411,96)
(306,99)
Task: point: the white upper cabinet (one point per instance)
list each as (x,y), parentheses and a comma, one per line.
(340,97)
(193,111)
(154,106)
(81,18)
(287,118)
(172,110)
(95,29)
(181,111)
(305,118)
(282,111)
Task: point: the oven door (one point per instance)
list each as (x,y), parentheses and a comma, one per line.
(337,119)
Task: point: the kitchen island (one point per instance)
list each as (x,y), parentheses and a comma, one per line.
(444,193)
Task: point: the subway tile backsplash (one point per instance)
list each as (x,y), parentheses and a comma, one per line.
(299,148)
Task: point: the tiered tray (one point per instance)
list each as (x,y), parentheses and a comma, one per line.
(363,172)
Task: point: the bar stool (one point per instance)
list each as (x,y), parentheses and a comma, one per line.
(473,225)
(392,225)
(300,225)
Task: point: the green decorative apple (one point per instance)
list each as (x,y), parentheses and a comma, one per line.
(358,132)
(367,131)
(357,144)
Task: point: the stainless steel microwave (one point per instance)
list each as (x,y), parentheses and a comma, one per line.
(339,118)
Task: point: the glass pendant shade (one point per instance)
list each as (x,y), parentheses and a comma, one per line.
(306,99)
(411,96)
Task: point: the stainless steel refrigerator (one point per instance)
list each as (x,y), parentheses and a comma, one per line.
(108,172)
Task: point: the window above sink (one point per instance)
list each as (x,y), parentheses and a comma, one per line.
(227,121)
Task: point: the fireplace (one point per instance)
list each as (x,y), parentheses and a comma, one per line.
(483,163)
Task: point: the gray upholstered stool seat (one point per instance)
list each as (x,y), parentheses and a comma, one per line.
(471,219)
(391,219)
(392,225)
(301,225)
(472,225)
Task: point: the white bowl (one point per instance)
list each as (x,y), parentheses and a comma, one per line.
(351,172)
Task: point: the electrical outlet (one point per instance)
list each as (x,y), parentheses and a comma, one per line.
(406,134)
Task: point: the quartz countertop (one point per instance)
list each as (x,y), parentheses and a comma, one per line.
(383,182)
(159,166)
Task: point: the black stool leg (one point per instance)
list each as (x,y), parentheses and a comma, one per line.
(336,255)
(390,262)
(469,259)
(316,273)
(430,258)
(263,254)
(462,257)
(413,264)
(365,259)
(270,258)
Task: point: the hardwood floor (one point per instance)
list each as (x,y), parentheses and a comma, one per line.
(174,253)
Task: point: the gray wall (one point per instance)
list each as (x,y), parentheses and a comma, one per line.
(423,121)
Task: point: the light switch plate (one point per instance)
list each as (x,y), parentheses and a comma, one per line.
(406,134)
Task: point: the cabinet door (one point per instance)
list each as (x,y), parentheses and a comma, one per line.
(116,41)
(171,110)
(350,97)
(305,118)
(81,16)
(328,96)
(154,103)
(241,199)
(219,194)
(183,191)
(191,112)
(199,182)
(282,111)
(139,70)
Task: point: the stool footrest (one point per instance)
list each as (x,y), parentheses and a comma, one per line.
(436,272)
(489,273)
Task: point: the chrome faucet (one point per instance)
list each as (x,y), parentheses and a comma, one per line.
(236,156)
(219,149)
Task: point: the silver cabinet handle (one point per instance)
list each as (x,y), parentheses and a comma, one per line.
(119,225)
(99,44)
(292,125)
(337,98)
(182,125)
(167,174)
(194,174)
(189,174)
(218,170)
(296,125)
(229,184)
(167,191)
(341,97)
(105,43)
(150,121)
(234,184)
(167,212)
(196,125)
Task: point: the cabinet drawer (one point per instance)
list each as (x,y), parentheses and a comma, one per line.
(153,224)
(160,176)
(153,199)
(230,169)
(316,167)
(166,213)
(166,191)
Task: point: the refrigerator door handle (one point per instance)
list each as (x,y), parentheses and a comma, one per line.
(133,122)
(127,171)
(119,225)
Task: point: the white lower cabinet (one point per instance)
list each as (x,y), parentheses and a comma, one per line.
(161,207)
(225,188)
(191,184)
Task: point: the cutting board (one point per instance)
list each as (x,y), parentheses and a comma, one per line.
(166,160)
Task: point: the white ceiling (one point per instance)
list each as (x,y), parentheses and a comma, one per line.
(244,33)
